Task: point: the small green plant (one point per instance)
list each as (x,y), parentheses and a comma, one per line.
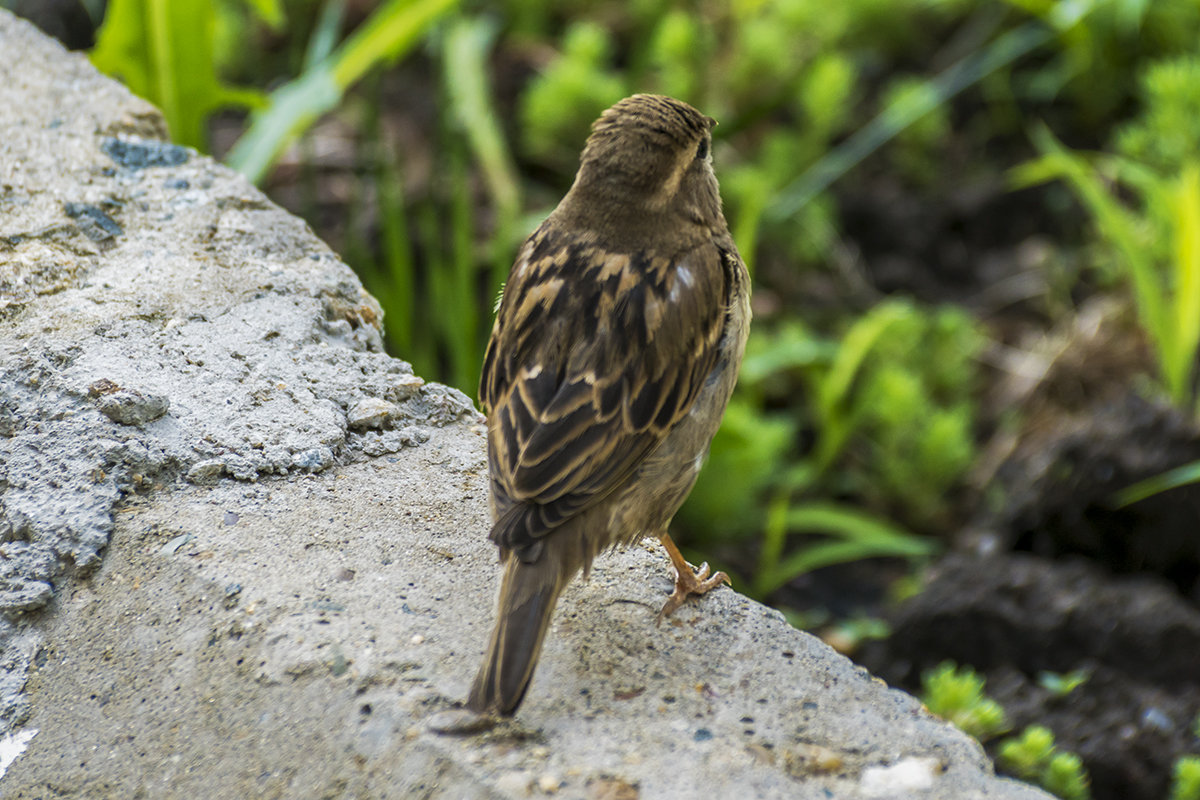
(1065,777)
(956,695)
(1034,757)
(1061,684)
(1171,479)
(1028,754)
(1167,132)
(1185,779)
(1091,63)
(847,534)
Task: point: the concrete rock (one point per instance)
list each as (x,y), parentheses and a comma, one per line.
(284,600)
(159,320)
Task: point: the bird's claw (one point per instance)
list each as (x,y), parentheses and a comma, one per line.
(688,583)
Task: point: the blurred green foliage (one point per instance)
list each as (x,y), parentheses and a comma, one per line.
(1166,133)
(1099,47)
(391,30)
(1061,684)
(558,107)
(1027,754)
(1185,780)
(171,54)
(956,695)
(1034,756)
(888,406)
(1144,200)
(1145,204)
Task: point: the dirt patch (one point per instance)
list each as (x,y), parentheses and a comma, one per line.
(1014,616)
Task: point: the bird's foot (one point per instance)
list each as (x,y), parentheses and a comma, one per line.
(688,583)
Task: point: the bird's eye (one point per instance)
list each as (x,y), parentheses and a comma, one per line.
(702,149)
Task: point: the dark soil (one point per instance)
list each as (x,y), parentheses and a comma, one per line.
(1061,487)
(1013,616)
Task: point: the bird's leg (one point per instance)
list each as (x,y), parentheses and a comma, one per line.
(686,582)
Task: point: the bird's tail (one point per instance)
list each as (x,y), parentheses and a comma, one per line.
(528,594)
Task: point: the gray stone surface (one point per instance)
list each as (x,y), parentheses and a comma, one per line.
(159,319)
(243,551)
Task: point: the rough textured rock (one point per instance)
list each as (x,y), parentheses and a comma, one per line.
(161,319)
(243,550)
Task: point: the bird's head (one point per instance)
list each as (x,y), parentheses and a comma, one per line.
(649,155)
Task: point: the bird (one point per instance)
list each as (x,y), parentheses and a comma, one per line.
(616,346)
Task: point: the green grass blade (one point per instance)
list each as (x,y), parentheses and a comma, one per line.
(853,351)
(293,108)
(121,47)
(158,26)
(398,261)
(1117,225)
(1171,479)
(387,35)
(855,535)
(165,51)
(1186,330)
(852,524)
(832,392)
(468,42)
(461,314)
(894,119)
(324,35)
(771,550)
(467,45)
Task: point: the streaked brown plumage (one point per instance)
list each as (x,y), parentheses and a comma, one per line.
(615,350)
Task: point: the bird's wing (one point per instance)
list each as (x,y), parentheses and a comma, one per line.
(594,358)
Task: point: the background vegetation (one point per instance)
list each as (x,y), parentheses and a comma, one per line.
(920,188)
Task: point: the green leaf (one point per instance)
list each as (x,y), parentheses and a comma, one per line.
(292,109)
(389,33)
(1120,227)
(269,11)
(164,50)
(834,410)
(468,42)
(1171,479)
(1062,684)
(1185,333)
(1185,779)
(324,35)
(854,535)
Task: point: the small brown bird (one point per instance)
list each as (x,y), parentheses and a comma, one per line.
(615,350)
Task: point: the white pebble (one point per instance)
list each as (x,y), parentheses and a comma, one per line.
(909,775)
